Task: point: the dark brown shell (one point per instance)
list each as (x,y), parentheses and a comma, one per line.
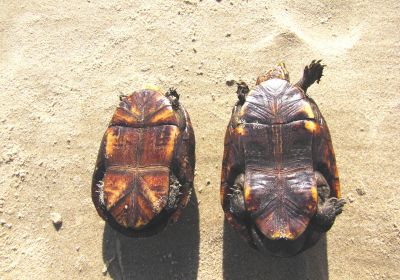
(277,138)
(146,142)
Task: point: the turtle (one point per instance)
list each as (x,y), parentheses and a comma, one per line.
(280,186)
(144,172)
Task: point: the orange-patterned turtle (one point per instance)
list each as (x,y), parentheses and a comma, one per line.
(280,186)
(145,167)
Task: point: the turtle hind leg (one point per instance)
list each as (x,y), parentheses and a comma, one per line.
(328,207)
(327,212)
(174,194)
(237,206)
(312,73)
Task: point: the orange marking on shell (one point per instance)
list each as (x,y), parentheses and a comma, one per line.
(311,126)
(155,189)
(136,111)
(169,146)
(240,130)
(121,116)
(145,214)
(165,114)
(114,187)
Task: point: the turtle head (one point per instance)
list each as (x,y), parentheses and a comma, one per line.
(279,71)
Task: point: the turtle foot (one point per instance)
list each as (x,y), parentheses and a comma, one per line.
(242,91)
(173,96)
(327,213)
(312,73)
(175,188)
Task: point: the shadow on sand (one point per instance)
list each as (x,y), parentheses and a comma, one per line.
(172,254)
(242,262)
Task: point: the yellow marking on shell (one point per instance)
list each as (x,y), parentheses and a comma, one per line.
(111,141)
(288,234)
(276,235)
(139,223)
(113,193)
(136,111)
(247,197)
(314,195)
(283,70)
(282,233)
(309,112)
(154,200)
(151,87)
(311,126)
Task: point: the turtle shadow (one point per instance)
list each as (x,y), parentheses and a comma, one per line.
(171,254)
(242,262)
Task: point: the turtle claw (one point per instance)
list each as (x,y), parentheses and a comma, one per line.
(339,204)
(312,73)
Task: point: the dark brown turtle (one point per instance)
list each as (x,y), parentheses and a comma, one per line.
(145,167)
(280,186)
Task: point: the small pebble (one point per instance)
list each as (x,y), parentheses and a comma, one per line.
(350,198)
(208,182)
(360,191)
(2,222)
(56,219)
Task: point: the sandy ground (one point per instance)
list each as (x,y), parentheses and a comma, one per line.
(63,65)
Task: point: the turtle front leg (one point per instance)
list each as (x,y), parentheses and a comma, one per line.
(242,91)
(312,73)
(328,207)
(173,96)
